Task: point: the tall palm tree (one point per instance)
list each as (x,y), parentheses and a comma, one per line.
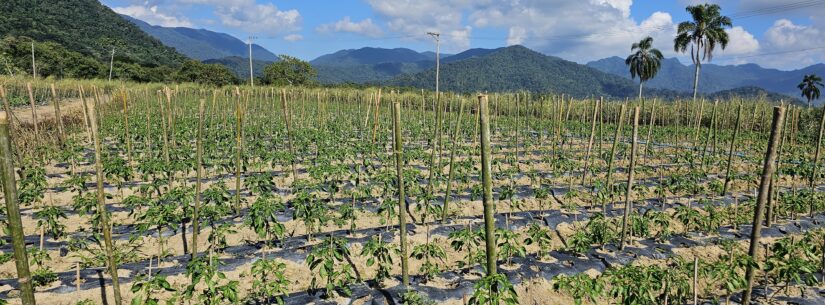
(809,87)
(645,62)
(702,35)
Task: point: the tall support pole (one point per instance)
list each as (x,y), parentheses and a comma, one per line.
(199,171)
(730,152)
(487,184)
(631,168)
(445,207)
(398,150)
(101,208)
(58,117)
(768,168)
(812,181)
(15,224)
(34,67)
(251,73)
(111,64)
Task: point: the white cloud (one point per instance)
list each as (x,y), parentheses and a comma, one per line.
(740,42)
(243,15)
(293,37)
(784,43)
(415,18)
(152,15)
(575,30)
(516,35)
(364,27)
(257,18)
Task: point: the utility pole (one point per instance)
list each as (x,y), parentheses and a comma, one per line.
(111,64)
(437,37)
(251,74)
(34,68)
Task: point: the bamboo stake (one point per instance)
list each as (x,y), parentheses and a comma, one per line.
(631,168)
(596,106)
(199,173)
(398,150)
(288,121)
(57,117)
(613,156)
(445,207)
(812,181)
(767,173)
(15,223)
(126,127)
(101,207)
(487,183)
(730,152)
(34,113)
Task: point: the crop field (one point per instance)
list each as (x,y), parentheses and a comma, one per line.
(187,194)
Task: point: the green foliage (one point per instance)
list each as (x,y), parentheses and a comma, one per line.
(580,286)
(415,298)
(87,27)
(540,236)
(431,253)
(147,288)
(289,70)
(43,277)
(205,74)
(494,290)
(207,284)
(381,252)
(328,261)
(262,217)
(49,221)
(270,281)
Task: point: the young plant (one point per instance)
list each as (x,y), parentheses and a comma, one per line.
(540,236)
(378,251)
(329,262)
(269,282)
(207,284)
(494,289)
(580,286)
(146,290)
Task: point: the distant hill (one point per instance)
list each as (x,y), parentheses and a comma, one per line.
(86,27)
(202,44)
(368,65)
(676,76)
(240,65)
(518,68)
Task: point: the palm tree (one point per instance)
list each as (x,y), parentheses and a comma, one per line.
(809,87)
(645,62)
(702,35)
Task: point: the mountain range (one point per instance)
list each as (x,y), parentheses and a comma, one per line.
(370,65)
(202,44)
(674,75)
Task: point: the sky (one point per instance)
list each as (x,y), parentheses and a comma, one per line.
(781,34)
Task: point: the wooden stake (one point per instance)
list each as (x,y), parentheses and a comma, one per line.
(398,151)
(767,173)
(487,185)
(631,168)
(21,260)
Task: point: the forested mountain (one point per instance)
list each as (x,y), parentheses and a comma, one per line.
(371,56)
(240,65)
(518,68)
(86,27)
(367,65)
(676,76)
(202,44)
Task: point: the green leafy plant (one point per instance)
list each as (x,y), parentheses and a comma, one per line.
(378,251)
(580,286)
(329,261)
(269,282)
(494,289)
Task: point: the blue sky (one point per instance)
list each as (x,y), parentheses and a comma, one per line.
(783,34)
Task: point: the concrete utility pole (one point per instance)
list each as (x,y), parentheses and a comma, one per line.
(111,64)
(34,68)
(251,74)
(437,37)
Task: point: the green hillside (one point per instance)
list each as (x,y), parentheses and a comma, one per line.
(86,27)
